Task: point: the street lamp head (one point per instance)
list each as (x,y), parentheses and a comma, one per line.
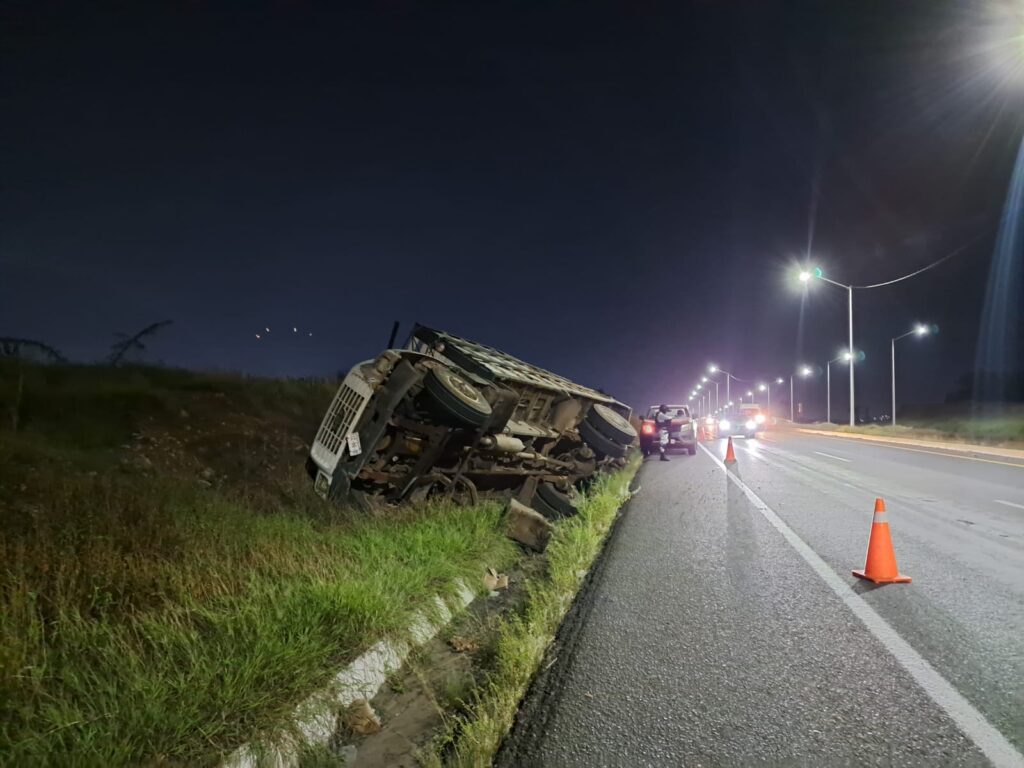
(811,274)
(778,380)
(704,379)
(807,274)
(806,371)
(699,386)
(762,387)
(730,402)
(749,393)
(712,368)
(921,329)
(847,356)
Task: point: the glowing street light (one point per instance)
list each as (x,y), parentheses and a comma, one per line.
(716,369)
(762,387)
(816,273)
(919,330)
(845,357)
(805,371)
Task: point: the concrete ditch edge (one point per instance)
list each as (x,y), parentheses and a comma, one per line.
(316,718)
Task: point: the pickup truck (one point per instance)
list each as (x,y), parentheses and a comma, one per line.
(682,433)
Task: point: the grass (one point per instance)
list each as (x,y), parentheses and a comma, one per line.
(151,615)
(1005,429)
(522,639)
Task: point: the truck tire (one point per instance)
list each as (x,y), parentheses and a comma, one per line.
(554,500)
(456,401)
(601,445)
(611,424)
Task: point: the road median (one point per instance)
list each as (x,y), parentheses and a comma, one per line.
(939,445)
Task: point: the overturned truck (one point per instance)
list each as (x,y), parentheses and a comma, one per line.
(444,415)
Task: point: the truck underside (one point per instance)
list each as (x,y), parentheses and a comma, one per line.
(446,415)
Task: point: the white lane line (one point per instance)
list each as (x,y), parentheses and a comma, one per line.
(987,737)
(837,458)
(1009,503)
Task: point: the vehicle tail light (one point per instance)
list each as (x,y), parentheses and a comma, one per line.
(647,428)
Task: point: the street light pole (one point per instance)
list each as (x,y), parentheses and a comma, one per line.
(848,357)
(828,391)
(805,276)
(853,411)
(919,330)
(804,371)
(715,369)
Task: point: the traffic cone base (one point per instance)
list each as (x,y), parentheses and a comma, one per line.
(880,565)
(899,578)
(730,454)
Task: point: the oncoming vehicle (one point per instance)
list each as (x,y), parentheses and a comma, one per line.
(748,421)
(445,415)
(681,435)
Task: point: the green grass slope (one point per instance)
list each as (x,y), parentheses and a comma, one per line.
(169,584)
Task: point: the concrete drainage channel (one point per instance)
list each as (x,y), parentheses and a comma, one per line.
(316,719)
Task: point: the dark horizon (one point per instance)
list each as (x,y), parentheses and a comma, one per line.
(620,194)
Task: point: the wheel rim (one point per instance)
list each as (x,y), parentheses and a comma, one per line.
(613,418)
(463,390)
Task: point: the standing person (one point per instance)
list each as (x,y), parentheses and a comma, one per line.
(664,421)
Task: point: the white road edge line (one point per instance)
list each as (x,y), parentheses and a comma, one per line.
(837,458)
(1009,503)
(987,737)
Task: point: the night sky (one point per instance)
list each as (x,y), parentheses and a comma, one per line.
(618,192)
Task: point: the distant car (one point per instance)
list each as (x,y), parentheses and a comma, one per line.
(709,428)
(682,432)
(747,422)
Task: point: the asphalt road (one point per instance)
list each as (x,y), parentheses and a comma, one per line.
(711,636)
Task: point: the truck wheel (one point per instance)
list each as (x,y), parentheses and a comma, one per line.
(552,503)
(692,450)
(602,445)
(611,424)
(455,399)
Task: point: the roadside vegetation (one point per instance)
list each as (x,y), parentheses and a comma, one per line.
(1005,429)
(169,585)
(520,640)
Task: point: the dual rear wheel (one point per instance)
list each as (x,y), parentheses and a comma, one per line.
(607,432)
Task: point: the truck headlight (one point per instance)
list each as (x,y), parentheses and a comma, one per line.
(725,424)
(751,424)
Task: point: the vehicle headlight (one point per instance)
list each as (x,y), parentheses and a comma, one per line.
(709,420)
(751,424)
(759,418)
(724,424)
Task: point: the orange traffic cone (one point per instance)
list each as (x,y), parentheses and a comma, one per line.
(730,454)
(880,566)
